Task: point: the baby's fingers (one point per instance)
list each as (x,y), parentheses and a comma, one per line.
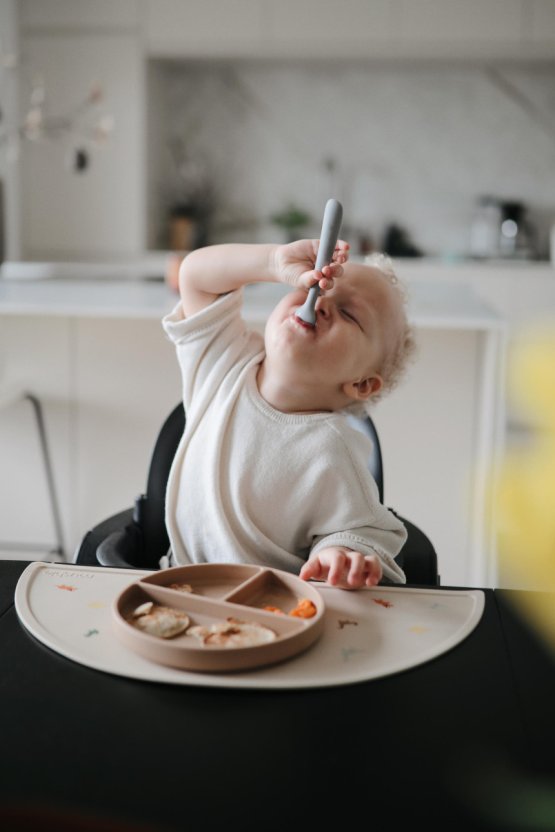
(333,271)
(312,277)
(372,570)
(341,251)
(358,570)
(336,573)
(327,277)
(311,569)
(361,570)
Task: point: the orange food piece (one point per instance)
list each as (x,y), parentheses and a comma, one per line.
(274,609)
(304,609)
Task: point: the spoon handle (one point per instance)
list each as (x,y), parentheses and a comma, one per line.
(333,214)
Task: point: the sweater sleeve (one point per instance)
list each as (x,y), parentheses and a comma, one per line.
(369,540)
(210,343)
(355,517)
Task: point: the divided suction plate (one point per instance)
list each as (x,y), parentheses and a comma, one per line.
(220,592)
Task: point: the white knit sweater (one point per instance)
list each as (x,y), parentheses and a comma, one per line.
(250,484)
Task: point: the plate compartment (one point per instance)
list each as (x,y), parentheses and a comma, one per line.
(214,599)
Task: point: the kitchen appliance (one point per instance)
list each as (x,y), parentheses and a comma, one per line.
(501,229)
(515,237)
(484,233)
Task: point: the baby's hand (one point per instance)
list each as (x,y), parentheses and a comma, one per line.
(343,568)
(294,264)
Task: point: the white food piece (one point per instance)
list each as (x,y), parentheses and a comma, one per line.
(181,587)
(163,622)
(143,609)
(233,633)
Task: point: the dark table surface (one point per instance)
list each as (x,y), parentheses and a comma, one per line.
(464,741)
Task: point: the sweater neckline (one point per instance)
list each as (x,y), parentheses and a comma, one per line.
(278,415)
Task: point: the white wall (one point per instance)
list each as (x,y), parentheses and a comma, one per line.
(416,143)
(98,213)
(73,45)
(9,165)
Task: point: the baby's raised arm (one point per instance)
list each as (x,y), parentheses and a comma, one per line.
(209,272)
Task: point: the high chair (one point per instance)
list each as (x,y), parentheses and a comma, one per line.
(137,537)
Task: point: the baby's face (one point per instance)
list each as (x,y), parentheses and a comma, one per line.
(357,322)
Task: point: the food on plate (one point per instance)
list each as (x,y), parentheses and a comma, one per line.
(160,621)
(233,633)
(181,587)
(304,609)
(143,609)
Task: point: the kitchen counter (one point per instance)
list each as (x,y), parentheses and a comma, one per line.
(437,267)
(432,304)
(521,293)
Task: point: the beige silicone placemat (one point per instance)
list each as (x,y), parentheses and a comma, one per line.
(368,633)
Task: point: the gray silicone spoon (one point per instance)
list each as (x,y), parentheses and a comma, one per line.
(333,214)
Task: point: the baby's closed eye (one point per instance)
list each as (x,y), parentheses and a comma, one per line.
(349,316)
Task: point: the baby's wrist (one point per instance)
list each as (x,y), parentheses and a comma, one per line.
(273,262)
(344,550)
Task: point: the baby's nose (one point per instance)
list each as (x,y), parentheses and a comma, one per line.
(322,307)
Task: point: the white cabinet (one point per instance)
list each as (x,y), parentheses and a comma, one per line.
(202,28)
(539,21)
(457,21)
(523,295)
(10,230)
(478,28)
(57,15)
(35,356)
(100,212)
(125,385)
(106,387)
(327,29)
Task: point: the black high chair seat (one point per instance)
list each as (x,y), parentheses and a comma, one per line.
(137,537)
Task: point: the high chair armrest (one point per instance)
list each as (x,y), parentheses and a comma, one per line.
(87,551)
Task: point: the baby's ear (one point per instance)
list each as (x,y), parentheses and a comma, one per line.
(364,389)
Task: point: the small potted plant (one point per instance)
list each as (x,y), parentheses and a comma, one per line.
(292,220)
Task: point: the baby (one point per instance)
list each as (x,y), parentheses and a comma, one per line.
(269,469)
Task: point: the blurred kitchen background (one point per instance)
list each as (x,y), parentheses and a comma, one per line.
(241,117)
(132,130)
(406,146)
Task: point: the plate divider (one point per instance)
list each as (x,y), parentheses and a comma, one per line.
(250,583)
(220,609)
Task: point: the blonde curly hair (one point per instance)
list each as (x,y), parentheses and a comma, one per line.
(397,360)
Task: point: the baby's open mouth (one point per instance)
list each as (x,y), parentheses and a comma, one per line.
(300,324)
(304,323)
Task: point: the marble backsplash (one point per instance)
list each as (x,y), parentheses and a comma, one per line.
(411,144)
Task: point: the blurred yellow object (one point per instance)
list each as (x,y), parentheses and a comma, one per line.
(532,380)
(525,497)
